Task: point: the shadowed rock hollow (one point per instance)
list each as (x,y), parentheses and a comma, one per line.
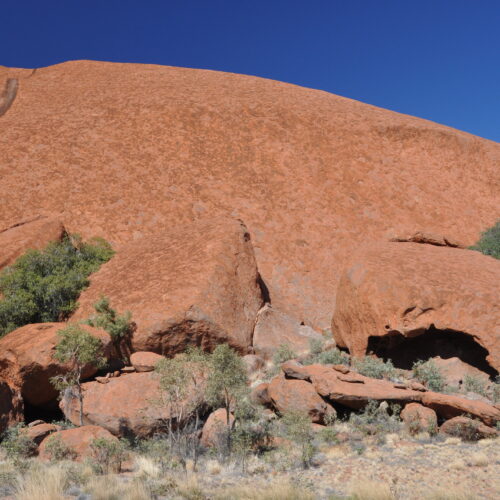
(125,151)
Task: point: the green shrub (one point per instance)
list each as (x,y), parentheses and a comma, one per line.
(428,373)
(475,384)
(17,445)
(374,367)
(43,285)
(495,391)
(118,326)
(58,450)
(377,419)
(489,244)
(297,428)
(318,355)
(108,455)
(283,353)
(316,346)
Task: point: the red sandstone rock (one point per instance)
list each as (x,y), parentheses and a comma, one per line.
(33,234)
(260,394)
(408,288)
(313,175)
(449,406)
(215,427)
(38,433)
(429,238)
(78,440)
(298,395)
(253,363)
(418,418)
(27,360)
(145,361)
(11,406)
(468,429)
(196,284)
(126,405)
(274,328)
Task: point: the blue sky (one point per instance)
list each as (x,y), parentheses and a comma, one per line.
(436,59)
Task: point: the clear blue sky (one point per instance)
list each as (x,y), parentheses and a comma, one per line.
(437,59)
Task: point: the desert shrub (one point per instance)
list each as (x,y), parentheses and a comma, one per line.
(316,346)
(332,356)
(489,243)
(118,326)
(374,367)
(475,384)
(495,390)
(158,450)
(283,353)
(43,285)
(108,454)
(376,419)
(429,374)
(58,450)
(17,445)
(296,426)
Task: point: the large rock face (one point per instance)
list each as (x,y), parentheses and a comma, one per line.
(124,151)
(127,405)
(27,360)
(197,284)
(34,234)
(403,290)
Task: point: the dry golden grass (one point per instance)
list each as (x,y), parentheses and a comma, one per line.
(42,482)
(146,467)
(451,494)
(371,490)
(280,490)
(112,488)
(478,459)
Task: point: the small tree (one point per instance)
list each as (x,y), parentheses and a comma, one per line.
(78,348)
(227,382)
(297,428)
(119,326)
(489,244)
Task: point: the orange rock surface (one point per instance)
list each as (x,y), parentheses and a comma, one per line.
(196,284)
(126,151)
(409,288)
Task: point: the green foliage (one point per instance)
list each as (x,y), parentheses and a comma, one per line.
(376,419)
(475,384)
(316,346)
(118,326)
(374,367)
(489,244)
(495,391)
(17,445)
(58,450)
(428,373)
(333,356)
(297,428)
(108,455)
(43,285)
(283,353)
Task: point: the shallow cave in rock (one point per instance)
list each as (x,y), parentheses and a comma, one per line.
(51,413)
(404,351)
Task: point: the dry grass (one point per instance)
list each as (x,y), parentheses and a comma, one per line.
(451,494)
(280,490)
(478,459)
(190,489)
(112,488)
(43,483)
(371,490)
(146,467)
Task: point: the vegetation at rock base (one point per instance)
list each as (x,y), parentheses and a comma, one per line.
(318,354)
(489,243)
(17,445)
(58,450)
(429,374)
(283,353)
(297,427)
(44,285)
(374,367)
(79,348)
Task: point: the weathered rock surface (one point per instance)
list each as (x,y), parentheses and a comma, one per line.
(468,429)
(260,394)
(32,234)
(274,328)
(428,238)
(215,427)
(27,360)
(314,175)
(78,440)
(449,406)
(38,433)
(145,361)
(11,406)
(196,284)
(253,363)
(298,395)
(127,405)
(418,418)
(410,289)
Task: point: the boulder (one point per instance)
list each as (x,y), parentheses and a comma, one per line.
(192,285)
(298,395)
(215,427)
(32,234)
(260,394)
(145,361)
(274,328)
(352,389)
(407,301)
(449,406)
(78,441)
(418,418)
(38,433)
(27,360)
(11,406)
(468,429)
(127,405)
